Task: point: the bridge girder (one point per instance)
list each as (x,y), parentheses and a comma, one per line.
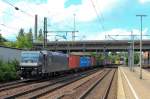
(99,45)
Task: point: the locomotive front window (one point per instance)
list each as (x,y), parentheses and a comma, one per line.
(30,57)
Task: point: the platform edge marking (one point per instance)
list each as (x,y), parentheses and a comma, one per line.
(133,91)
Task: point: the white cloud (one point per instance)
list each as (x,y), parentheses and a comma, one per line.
(115,34)
(3,7)
(88,10)
(58,13)
(84,12)
(144,1)
(55,11)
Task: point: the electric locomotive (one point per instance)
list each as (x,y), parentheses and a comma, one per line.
(42,63)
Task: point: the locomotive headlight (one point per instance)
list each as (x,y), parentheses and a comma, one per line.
(34,72)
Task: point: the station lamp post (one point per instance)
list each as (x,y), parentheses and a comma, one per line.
(141,17)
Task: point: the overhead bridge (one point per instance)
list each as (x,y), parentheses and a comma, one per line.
(94,45)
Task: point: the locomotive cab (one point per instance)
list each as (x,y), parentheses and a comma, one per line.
(31,63)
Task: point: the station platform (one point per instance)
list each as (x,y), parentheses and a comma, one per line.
(130,86)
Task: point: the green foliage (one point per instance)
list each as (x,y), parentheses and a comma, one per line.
(8,70)
(100,57)
(40,36)
(24,40)
(136,58)
(29,38)
(10,44)
(2,40)
(93,54)
(114,57)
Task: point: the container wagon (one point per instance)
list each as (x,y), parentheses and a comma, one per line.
(93,61)
(85,61)
(74,61)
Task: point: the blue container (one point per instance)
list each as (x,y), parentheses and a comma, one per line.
(85,61)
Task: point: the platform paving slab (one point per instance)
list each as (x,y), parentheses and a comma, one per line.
(120,90)
(135,88)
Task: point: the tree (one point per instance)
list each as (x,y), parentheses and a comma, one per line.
(2,40)
(136,58)
(40,36)
(29,37)
(10,44)
(30,30)
(24,40)
(21,39)
(21,33)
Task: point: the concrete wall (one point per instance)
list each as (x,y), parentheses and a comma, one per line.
(7,53)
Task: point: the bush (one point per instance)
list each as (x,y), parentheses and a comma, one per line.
(8,70)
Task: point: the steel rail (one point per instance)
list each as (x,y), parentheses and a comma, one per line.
(49,85)
(94,85)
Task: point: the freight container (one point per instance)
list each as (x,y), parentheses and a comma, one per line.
(93,61)
(145,55)
(145,59)
(74,61)
(85,61)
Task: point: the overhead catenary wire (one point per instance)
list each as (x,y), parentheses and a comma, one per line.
(111,38)
(98,17)
(135,36)
(4,25)
(18,18)
(8,29)
(17,8)
(101,14)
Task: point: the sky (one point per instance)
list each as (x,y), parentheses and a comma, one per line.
(94,19)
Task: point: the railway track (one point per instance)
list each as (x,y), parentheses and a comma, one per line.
(100,89)
(97,84)
(12,83)
(84,88)
(15,84)
(34,90)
